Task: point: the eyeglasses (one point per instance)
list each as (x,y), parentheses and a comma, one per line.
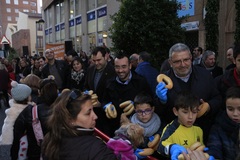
(179,62)
(146,112)
(74,95)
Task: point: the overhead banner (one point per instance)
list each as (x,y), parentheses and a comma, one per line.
(59,50)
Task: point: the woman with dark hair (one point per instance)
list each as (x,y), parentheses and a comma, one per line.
(72,137)
(48,93)
(77,74)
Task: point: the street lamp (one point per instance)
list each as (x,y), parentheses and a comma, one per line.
(38,27)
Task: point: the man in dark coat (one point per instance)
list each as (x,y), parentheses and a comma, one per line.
(124,87)
(96,79)
(231,77)
(194,79)
(58,68)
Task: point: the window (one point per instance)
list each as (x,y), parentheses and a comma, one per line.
(71,9)
(16,2)
(91,4)
(33,11)
(39,27)
(16,10)
(8,2)
(101,2)
(25,2)
(62,18)
(78,7)
(25,10)
(33,4)
(16,19)
(9,18)
(8,10)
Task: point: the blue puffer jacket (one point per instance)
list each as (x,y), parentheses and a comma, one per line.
(223,139)
(150,73)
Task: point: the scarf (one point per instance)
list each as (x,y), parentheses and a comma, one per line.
(150,127)
(77,76)
(235,74)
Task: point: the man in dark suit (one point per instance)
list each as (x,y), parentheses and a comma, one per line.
(125,86)
(96,79)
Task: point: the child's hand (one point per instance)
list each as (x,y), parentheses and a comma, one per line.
(176,150)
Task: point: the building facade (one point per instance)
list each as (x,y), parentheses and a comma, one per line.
(84,24)
(27,40)
(81,23)
(9,11)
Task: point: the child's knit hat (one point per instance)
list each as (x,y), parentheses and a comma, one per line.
(20,92)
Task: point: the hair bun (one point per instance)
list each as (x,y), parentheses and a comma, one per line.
(14,84)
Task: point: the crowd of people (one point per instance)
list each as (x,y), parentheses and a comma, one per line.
(60,89)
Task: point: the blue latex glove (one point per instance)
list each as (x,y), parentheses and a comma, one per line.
(106,105)
(151,138)
(161,92)
(176,150)
(137,153)
(210,157)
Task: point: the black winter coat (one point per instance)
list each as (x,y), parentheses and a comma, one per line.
(224,82)
(84,147)
(201,84)
(118,93)
(223,138)
(63,71)
(24,123)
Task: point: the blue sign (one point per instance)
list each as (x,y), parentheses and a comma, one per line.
(46,32)
(71,23)
(186,9)
(78,20)
(102,12)
(62,26)
(91,16)
(50,30)
(57,28)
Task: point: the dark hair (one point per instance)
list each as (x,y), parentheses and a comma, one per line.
(99,49)
(200,49)
(186,100)
(79,60)
(145,56)
(142,98)
(64,110)
(121,54)
(48,90)
(233,92)
(236,50)
(42,58)
(72,52)
(107,50)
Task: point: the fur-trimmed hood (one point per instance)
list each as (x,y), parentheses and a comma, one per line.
(11,116)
